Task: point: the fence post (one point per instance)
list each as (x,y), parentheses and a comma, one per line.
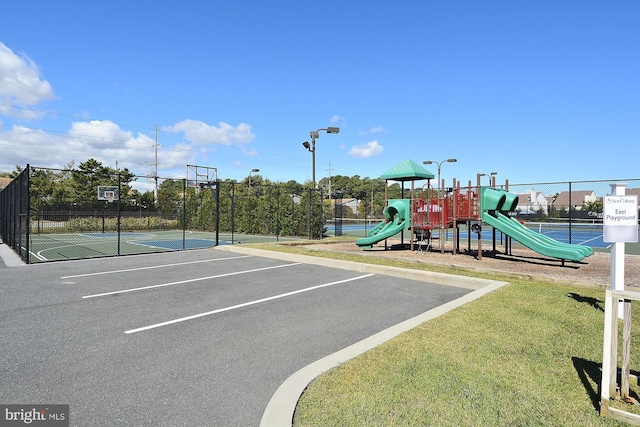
(233,208)
(27,209)
(119,214)
(184,214)
(309,212)
(570,211)
(217,194)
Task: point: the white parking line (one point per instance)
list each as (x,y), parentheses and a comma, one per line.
(246,304)
(153,266)
(124,291)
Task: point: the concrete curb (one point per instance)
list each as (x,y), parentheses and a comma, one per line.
(9,257)
(281,408)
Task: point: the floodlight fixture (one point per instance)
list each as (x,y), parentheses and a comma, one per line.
(312,147)
(491,178)
(250,172)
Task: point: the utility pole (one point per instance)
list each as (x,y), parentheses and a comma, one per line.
(155,176)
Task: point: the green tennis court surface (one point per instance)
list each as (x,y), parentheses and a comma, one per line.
(57,247)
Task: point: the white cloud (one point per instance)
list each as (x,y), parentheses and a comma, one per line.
(21,84)
(375,129)
(369,149)
(106,142)
(201,133)
(335,119)
(100,140)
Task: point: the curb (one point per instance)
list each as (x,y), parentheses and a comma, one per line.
(9,257)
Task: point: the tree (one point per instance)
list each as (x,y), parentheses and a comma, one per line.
(170,195)
(91,174)
(596,206)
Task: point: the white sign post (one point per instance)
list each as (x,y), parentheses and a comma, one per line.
(620,222)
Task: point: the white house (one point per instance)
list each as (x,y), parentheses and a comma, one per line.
(532,201)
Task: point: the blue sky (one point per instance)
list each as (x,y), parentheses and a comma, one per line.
(537,91)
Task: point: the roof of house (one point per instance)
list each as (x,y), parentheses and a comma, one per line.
(577,197)
(527,194)
(632,192)
(4,181)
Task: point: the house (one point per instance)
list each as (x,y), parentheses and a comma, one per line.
(347,204)
(574,200)
(532,201)
(4,182)
(633,192)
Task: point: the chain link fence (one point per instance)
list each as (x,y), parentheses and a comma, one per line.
(570,211)
(54,214)
(572,207)
(14,214)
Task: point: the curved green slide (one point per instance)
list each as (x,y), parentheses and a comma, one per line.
(397,214)
(535,241)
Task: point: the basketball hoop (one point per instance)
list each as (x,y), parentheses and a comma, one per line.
(108,193)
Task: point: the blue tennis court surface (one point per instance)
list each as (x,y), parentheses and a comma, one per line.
(593,239)
(580,235)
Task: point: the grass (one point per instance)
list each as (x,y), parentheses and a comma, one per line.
(527,354)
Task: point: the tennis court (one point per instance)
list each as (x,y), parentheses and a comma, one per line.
(579,234)
(58,247)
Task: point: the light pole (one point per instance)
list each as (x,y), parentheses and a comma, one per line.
(312,147)
(440,198)
(491,176)
(252,170)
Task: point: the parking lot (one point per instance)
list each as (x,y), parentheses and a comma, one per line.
(195,338)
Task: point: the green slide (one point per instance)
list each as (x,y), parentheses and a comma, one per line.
(397,214)
(535,241)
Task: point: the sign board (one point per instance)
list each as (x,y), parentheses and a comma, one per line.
(620,219)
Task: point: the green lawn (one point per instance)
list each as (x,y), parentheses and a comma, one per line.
(528,354)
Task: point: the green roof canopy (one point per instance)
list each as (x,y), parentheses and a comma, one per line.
(407,170)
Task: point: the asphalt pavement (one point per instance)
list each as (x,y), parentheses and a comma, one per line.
(195,338)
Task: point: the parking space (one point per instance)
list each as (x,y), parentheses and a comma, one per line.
(192,338)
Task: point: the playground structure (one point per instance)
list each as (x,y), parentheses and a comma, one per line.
(428,210)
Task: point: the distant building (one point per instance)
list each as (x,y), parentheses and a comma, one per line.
(4,182)
(633,192)
(578,199)
(348,204)
(531,202)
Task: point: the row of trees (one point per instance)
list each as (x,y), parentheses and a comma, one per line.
(77,189)
(256,207)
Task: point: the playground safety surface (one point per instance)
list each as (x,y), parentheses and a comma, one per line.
(592,271)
